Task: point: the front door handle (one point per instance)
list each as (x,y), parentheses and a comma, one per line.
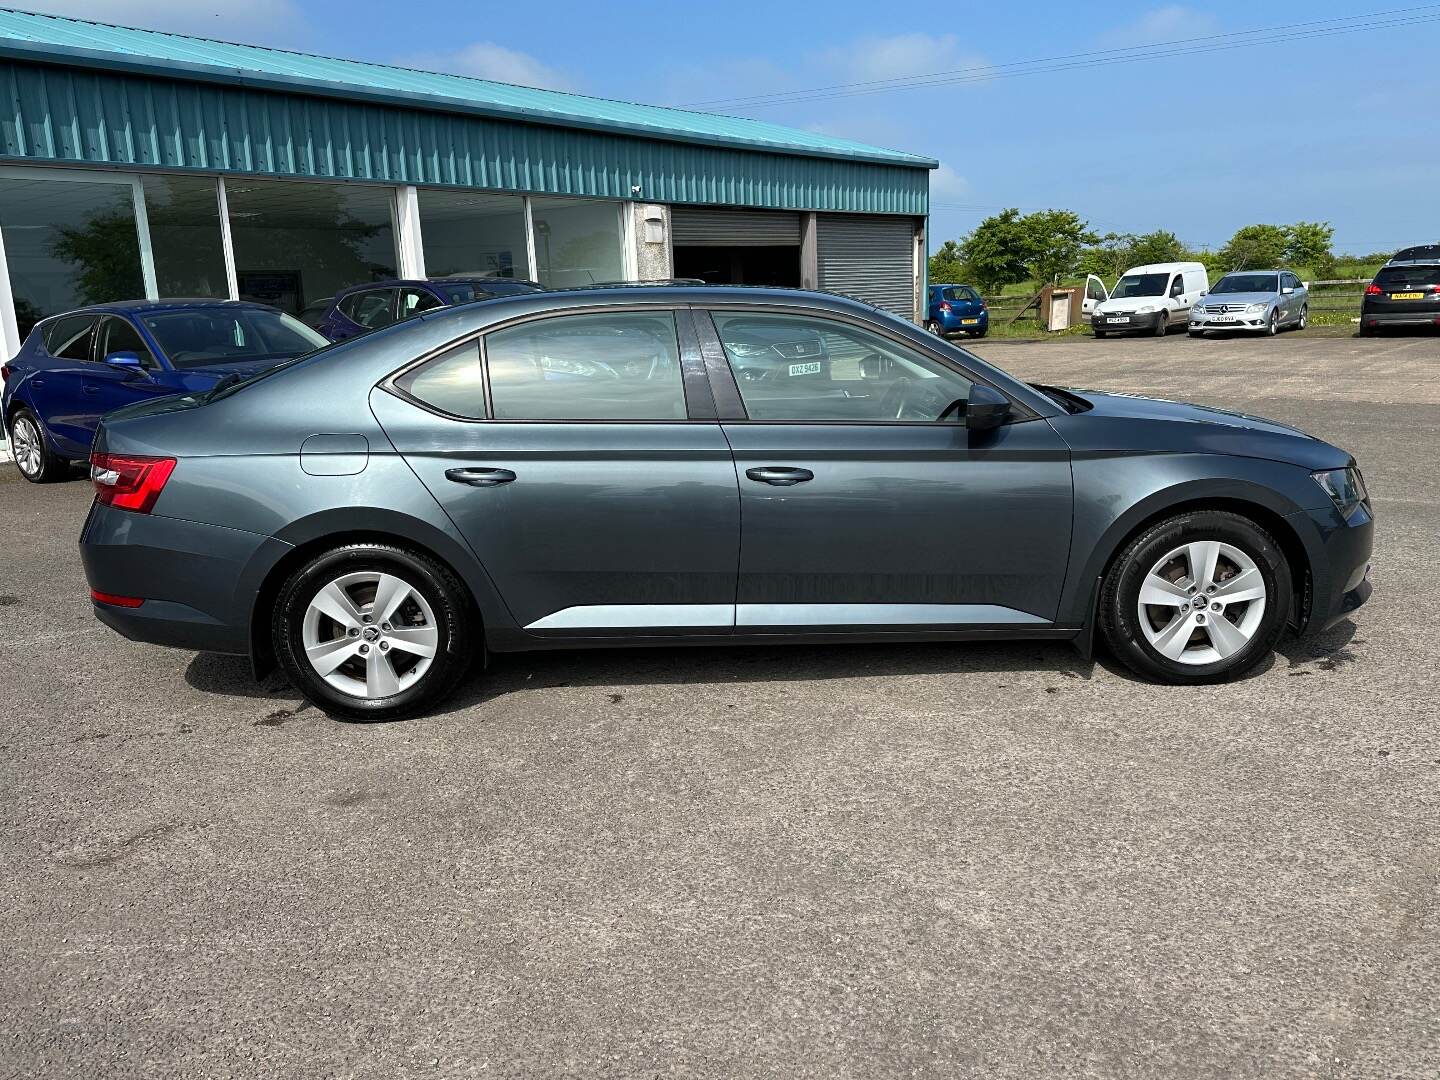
(480,477)
(780,476)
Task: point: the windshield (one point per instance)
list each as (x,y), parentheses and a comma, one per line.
(1238,283)
(1408,275)
(207,336)
(1140,285)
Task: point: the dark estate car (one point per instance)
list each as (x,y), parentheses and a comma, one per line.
(1406,291)
(363,308)
(73,369)
(594,468)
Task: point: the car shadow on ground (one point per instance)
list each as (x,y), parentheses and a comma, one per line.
(716,666)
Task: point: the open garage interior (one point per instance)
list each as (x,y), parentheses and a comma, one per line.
(736,247)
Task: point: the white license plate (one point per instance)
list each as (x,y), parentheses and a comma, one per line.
(1118,319)
(805,369)
(1223,319)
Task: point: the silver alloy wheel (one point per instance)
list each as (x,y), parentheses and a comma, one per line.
(1274,327)
(1304,316)
(28,453)
(370,634)
(1202,602)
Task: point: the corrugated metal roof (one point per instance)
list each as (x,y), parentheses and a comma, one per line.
(49,38)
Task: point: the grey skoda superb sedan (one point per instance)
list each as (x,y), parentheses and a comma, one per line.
(585,468)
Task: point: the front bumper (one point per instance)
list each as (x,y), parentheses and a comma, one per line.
(197,581)
(1135,322)
(1243,321)
(1339,554)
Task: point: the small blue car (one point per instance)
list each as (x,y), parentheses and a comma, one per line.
(957,309)
(363,308)
(73,369)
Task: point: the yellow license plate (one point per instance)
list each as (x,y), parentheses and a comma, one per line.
(1407,296)
(969,322)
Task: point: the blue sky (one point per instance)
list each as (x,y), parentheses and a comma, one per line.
(1340,129)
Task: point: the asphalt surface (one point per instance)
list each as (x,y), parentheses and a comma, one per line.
(938,861)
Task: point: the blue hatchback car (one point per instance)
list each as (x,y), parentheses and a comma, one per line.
(75,368)
(957,309)
(364,308)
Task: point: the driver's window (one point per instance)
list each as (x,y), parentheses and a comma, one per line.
(804,369)
(1177,287)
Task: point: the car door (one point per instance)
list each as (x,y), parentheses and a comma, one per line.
(861,508)
(108,388)
(1177,302)
(1095,294)
(58,391)
(580,455)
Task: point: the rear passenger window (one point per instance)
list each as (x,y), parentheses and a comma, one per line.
(452,382)
(587,367)
(69,338)
(371,310)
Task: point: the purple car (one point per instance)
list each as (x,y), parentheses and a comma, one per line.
(75,368)
(363,308)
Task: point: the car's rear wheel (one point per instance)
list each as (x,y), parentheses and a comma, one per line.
(35,460)
(373,632)
(982,332)
(1304,319)
(1199,598)
(933,327)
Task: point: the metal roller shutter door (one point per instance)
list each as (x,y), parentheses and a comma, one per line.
(690,227)
(868,258)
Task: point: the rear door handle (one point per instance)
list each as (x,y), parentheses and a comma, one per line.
(86,388)
(780,476)
(480,477)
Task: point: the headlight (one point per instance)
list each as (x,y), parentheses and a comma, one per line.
(1256,309)
(1346,488)
(1146,309)
(740,348)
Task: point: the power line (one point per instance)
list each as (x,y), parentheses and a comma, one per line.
(1240,39)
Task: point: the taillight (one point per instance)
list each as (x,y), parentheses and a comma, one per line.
(127,482)
(945,307)
(1373,290)
(4,372)
(115,599)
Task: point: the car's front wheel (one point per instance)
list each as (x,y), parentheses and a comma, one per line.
(35,460)
(368,631)
(1201,597)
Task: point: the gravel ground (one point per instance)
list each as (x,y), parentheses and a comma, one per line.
(922,861)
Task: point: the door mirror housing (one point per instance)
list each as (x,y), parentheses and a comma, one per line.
(1287,290)
(985,408)
(127,362)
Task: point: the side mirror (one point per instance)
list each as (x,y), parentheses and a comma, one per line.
(127,362)
(985,408)
(1287,290)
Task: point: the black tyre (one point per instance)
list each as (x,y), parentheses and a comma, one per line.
(1304,320)
(933,327)
(33,456)
(1197,333)
(1162,324)
(1099,333)
(374,632)
(1198,598)
(1273,326)
(981,333)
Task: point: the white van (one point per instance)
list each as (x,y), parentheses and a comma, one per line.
(1154,299)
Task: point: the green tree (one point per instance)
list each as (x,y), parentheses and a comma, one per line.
(105,254)
(947,265)
(1254,247)
(1054,241)
(1157,247)
(1109,256)
(998,251)
(1309,246)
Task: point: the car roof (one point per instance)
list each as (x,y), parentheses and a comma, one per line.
(122,307)
(398,283)
(1164,268)
(1231,273)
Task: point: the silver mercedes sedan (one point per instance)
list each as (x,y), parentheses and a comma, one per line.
(1255,300)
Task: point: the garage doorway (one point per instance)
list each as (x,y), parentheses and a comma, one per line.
(736,247)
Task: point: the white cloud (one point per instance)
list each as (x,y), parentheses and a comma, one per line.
(1173,22)
(259,21)
(487,60)
(946,183)
(901,55)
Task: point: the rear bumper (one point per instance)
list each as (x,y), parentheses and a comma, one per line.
(1399,318)
(955,324)
(197,581)
(1339,553)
